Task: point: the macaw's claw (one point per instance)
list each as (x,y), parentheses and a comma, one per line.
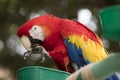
(35,50)
(27,54)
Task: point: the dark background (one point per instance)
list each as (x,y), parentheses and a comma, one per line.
(13,13)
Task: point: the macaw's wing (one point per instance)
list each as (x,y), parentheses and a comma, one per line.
(75,53)
(83,45)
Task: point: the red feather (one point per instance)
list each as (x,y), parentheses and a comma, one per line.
(70,27)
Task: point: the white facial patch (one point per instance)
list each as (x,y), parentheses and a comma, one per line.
(36,32)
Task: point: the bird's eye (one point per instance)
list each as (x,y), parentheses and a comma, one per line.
(35,28)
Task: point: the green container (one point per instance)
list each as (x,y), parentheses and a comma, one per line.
(110,22)
(40,73)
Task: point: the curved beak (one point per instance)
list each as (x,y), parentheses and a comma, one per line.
(29,42)
(26,42)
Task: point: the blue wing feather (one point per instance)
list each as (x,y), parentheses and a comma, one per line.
(75,54)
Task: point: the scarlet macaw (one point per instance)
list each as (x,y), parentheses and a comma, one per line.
(66,41)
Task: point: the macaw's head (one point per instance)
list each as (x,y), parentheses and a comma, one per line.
(37,30)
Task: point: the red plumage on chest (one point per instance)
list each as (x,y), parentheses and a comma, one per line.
(52,41)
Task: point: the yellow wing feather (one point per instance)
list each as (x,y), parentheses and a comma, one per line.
(92,51)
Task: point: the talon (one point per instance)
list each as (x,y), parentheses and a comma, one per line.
(40,49)
(35,50)
(26,54)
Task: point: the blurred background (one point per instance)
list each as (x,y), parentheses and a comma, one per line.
(13,13)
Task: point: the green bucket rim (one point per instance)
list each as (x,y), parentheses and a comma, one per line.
(113,7)
(39,67)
